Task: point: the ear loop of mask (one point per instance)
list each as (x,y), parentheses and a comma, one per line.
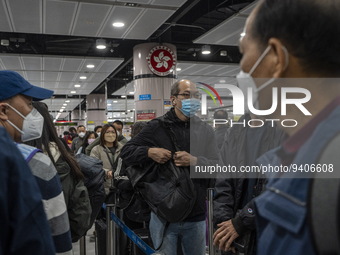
(265,54)
(261,58)
(11,123)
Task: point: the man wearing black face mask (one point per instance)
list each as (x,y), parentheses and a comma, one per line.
(197,146)
(24,123)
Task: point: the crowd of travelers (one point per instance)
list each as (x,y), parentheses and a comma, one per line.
(52,188)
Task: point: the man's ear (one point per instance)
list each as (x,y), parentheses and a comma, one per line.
(172,99)
(3,111)
(281,57)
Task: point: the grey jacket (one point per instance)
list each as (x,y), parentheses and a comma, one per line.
(102,153)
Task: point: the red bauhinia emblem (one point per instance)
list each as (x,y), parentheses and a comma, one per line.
(161,60)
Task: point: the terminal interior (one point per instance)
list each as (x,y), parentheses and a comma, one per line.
(52,44)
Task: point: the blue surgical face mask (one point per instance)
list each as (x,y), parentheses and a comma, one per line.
(190,106)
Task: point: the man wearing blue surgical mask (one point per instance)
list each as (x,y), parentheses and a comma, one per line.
(24,123)
(195,147)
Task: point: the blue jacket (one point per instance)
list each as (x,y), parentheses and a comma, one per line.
(24,227)
(282,210)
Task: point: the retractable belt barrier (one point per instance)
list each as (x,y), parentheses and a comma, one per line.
(130,234)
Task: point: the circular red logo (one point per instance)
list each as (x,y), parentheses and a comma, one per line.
(161,60)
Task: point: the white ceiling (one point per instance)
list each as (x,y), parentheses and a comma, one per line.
(228,32)
(85,18)
(94,18)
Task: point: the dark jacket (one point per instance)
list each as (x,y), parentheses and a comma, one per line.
(194,136)
(24,226)
(229,197)
(220,133)
(77,200)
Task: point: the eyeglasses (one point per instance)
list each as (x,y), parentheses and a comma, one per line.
(190,95)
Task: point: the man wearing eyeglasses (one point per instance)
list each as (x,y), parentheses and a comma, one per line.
(196,142)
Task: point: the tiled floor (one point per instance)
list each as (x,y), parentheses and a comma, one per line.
(90,246)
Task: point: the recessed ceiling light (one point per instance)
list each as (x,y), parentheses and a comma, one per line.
(206,49)
(61,110)
(90,66)
(100,44)
(123,96)
(115,101)
(222,81)
(73,92)
(77,86)
(243,34)
(131,92)
(109,104)
(63,107)
(83,77)
(118,24)
(178,69)
(64,104)
(67,101)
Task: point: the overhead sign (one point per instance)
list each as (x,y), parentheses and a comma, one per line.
(161,60)
(145,97)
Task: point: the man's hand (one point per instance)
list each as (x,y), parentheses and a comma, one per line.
(225,235)
(183,158)
(159,155)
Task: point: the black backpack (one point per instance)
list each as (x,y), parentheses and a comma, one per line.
(166,188)
(92,168)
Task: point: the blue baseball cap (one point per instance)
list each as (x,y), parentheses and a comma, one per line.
(12,84)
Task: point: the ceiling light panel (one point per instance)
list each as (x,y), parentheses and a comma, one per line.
(20,12)
(90,18)
(145,26)
(32,63)
(66,73)
(59,17)
(118,24)
(128,15)
(227,33)
(173,3)
(4,21)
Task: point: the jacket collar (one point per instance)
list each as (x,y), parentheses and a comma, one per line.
(171,118)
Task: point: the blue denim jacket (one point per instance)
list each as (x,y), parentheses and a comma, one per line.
(282,210)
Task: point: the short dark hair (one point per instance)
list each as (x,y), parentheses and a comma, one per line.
(220,114)
(97,127)
(308,28)
(118,122)
(80,126)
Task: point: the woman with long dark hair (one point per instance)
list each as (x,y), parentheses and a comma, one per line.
(108,151)
(89,138)
(75,193)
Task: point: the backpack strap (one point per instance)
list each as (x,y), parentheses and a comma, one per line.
(325,204)
(27,151)
(168,129)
